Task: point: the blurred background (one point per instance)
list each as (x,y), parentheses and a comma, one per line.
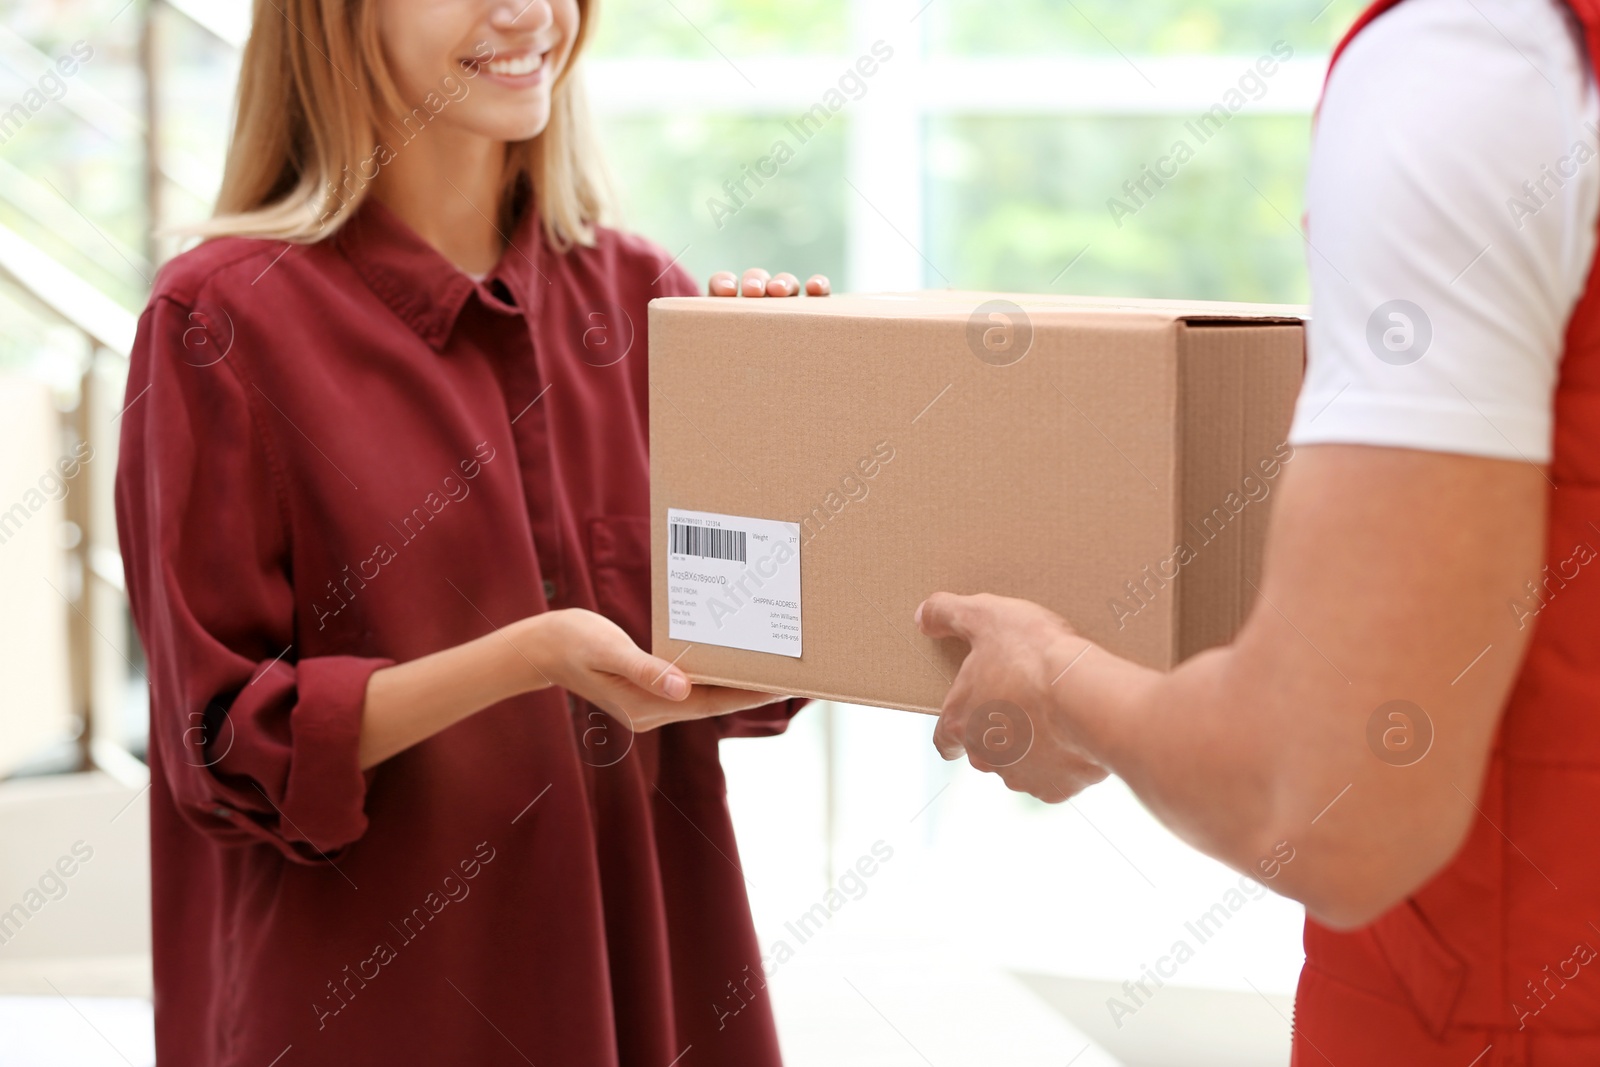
(983,153)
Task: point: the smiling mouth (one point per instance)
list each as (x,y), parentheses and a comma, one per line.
(516,66)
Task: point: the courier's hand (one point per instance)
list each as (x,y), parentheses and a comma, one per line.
(588,654)
(757,282)
(1001,709)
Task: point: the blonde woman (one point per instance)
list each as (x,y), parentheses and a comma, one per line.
(417,794)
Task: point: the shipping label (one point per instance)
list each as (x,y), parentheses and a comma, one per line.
(733,581)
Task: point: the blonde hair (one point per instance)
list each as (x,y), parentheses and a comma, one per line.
(315,95)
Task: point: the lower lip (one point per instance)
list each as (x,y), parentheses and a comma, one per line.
(514,81)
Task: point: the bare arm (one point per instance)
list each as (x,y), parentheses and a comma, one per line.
(577,650)
(1388,573)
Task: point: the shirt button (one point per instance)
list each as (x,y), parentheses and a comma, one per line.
(549,589)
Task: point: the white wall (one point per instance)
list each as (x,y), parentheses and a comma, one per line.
(33,575)
(86,933)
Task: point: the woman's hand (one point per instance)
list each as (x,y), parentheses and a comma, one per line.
(1001,710)
(588,654)
(757,282)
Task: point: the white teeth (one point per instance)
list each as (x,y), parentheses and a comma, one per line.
(515,67)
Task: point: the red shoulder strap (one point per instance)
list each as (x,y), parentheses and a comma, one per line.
(1378,8)
(1587,12)
(1360,24)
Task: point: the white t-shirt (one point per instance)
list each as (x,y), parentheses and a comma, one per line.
(1450,209)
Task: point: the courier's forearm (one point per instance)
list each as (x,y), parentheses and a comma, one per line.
(1215,752)
(1243,759)
(410,702)
(1190,743)
(1338,745)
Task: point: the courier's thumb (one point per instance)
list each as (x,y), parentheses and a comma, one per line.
(936,616)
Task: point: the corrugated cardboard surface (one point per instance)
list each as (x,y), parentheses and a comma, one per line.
(1059,478)
(1239,389)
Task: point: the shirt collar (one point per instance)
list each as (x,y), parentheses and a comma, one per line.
(424,288)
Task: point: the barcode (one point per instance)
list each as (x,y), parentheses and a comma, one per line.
(706,542)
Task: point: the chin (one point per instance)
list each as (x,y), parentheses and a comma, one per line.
(519,127)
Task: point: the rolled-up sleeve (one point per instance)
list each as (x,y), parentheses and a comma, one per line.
(257,741)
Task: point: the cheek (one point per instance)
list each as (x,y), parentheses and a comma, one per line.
(417,39)
(568,14)
(568,18)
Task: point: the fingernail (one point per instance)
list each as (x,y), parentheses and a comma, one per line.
(917,618)
(677,686)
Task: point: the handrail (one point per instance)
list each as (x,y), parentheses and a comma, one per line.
(99,111)
(76,301)
(111,329)
(211,18)
(19,189)
(81,97)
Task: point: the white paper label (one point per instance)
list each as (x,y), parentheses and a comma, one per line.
(733,581)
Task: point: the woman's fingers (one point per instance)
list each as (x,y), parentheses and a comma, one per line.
(647,711)
(723,699)
(669,681)
(650,673)
(755,282)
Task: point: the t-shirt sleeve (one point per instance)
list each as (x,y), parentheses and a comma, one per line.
(257,741)
(1451,206)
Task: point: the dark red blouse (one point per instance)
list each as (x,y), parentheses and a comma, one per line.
(340,456)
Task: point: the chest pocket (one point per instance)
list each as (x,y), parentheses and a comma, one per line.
(619,554)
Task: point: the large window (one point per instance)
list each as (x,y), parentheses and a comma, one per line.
(986,152)
(1038,202)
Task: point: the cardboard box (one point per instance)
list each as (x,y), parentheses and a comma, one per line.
(1112,460)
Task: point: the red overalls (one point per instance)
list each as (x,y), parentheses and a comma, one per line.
(1495,962)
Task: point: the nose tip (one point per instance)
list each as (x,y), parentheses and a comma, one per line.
(521,15)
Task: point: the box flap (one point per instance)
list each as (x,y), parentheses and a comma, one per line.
(940,303)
